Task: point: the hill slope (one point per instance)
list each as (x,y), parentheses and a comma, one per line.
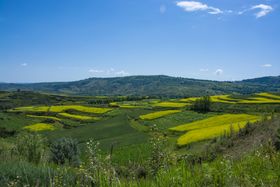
(158,85)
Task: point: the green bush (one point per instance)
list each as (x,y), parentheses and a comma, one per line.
(65,150)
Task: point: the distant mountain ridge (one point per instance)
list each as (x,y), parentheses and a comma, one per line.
(155,85)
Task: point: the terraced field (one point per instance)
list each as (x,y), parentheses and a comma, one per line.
(44,117)
(259,98)
(40,127)
(62,108)
(170,104)
(212,127)
(78,117)
(155,115)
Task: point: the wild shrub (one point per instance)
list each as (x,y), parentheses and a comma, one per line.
(159,157)
(30,147)
(96,170)
(65,150)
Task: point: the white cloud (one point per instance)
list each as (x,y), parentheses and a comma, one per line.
(192,6)
(162,9)
(24,64)
(122,73)
(95,71)
(219,72)
(108,72)
(266,65)
(263,10)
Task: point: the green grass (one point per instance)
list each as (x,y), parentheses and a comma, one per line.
(115,130)
(13,121)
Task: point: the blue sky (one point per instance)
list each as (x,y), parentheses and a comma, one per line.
(65,40)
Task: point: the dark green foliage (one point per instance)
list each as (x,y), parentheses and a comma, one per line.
(4,133)
(202,105)
(277,141)
(157,86)
(65,150)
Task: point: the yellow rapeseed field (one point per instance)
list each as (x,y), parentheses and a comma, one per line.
(260,98)
(212,127)
(44,117)
(78,117)
(62,108)
(159,114)
(170,104)
(215,121)
(40,127)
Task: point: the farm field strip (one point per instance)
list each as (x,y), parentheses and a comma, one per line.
(212,127)
(171,104)
(78,117)
(215,121)
(155,115)
(40,127)
(210,132)
(260,98)
(59,109)
(44,117)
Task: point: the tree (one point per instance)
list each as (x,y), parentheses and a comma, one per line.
(202,104)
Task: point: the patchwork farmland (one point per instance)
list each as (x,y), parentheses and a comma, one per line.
(124,128)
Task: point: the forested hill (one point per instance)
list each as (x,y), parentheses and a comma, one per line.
(157,85)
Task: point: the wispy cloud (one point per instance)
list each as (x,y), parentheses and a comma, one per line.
(263,10)
(192,6)
(108,72)
(122,73)
(24,64)
(266,65)
(219,72)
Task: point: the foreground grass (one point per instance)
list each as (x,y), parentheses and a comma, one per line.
(260,168)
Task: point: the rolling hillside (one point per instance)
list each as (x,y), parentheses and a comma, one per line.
(158,85)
